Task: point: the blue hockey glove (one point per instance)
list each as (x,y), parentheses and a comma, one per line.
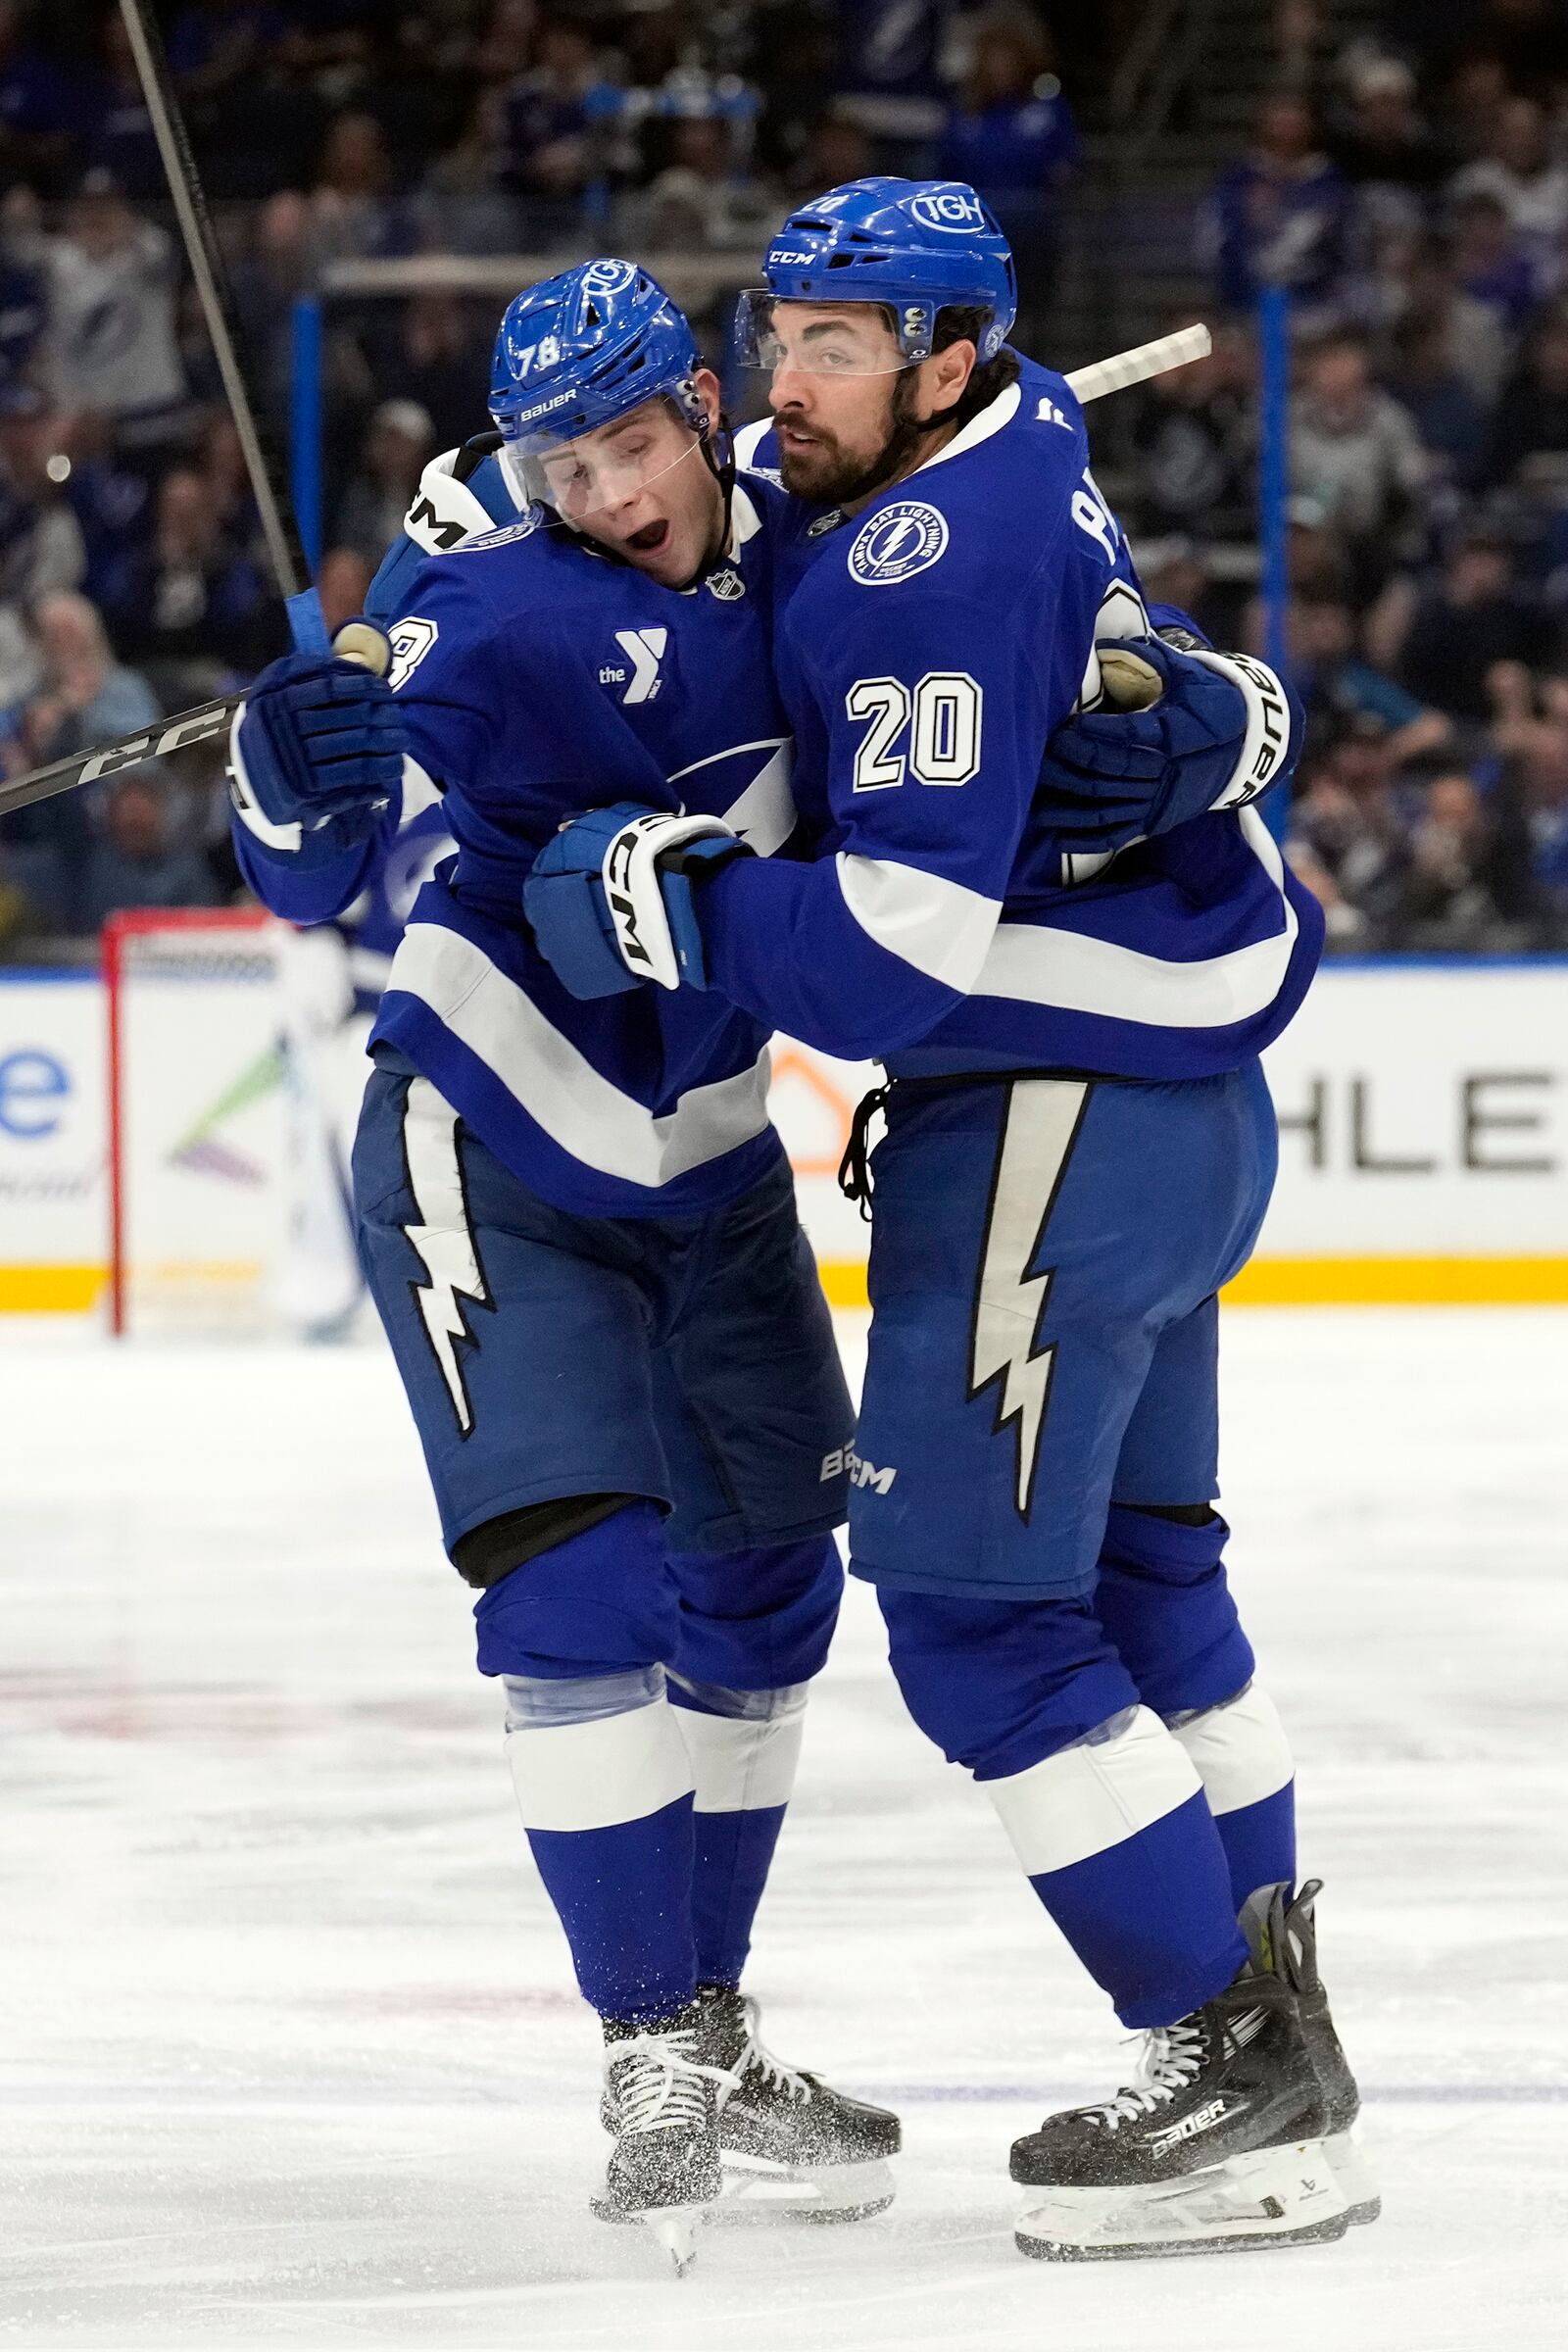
(316,756)
(610,899)
(1195,730)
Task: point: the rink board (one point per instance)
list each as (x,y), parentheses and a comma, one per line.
(1424,1141)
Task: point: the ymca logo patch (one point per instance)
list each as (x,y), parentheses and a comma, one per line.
(900,541)
(645,650)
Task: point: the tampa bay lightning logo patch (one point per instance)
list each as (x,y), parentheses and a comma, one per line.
(506,536)
(897,541)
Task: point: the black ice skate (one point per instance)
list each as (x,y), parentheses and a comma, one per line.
(1282,1932)
(661,2103)
(789,2142)
(1217,2144)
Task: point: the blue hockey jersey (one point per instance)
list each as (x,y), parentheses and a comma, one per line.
(536,678)
(924,651)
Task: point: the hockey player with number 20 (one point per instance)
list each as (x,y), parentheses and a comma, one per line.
(1079,1149)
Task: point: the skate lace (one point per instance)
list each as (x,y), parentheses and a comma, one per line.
(658,2083)
(1170,2060)
(756,2059)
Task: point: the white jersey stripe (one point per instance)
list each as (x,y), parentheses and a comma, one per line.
(940,927)
(1073,972)
(589,1117)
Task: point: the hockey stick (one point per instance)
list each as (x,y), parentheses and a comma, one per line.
(200,725)
(1137,365)
(262,462)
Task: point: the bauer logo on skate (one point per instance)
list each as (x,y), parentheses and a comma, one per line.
(903,539)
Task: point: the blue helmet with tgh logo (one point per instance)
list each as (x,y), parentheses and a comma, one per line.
(580,349)
(917,246)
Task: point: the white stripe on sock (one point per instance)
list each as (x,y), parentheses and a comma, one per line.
(590,1775)
(739,1766)
(1240,1749)
(1094,1796)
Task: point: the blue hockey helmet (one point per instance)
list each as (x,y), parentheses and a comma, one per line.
(916,246)
(575,353)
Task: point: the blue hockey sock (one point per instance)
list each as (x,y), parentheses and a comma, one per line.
(1244,1761)
(1118,1842)
(744,1745)
(603,1784)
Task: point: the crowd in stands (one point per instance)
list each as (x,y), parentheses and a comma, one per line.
(1411,191)
(1412,196)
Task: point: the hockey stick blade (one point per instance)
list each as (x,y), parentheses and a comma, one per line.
(108,759)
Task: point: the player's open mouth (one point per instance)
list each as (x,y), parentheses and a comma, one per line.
(650,539)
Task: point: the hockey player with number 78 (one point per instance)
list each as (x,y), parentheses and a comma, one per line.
(1069,992)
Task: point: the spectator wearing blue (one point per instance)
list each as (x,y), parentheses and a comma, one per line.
(1529,431)
(1344,693)
(1010,132)
(137,857)
(188,605)
(1281,217)
(1524,175)
(1447,639)
(553,114)
(354,213)
(1450,419)
(40,110)
(1491,264)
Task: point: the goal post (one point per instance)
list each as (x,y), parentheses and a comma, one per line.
(197,1120)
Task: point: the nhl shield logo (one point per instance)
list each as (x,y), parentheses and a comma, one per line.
(726,585)
(897,541)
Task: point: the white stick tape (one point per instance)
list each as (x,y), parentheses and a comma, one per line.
(1137,365)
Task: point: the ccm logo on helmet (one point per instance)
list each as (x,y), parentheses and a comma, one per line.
(789,261)
(955,209)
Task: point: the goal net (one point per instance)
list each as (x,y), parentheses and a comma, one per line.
(198,1126)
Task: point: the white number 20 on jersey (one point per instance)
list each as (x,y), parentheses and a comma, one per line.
(939,725)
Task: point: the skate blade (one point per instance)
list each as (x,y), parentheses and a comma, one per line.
(1286,2197)
(758,2189)
(1362,2203)
(672,2226)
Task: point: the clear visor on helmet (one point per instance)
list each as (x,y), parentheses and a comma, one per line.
(601,470)
(826,338)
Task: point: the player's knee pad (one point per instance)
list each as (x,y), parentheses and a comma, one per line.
(757,1619)
(744,1744)
(1000,1685)
(1163,1600)
(601,1604)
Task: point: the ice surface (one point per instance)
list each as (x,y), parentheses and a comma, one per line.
(289,2052)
